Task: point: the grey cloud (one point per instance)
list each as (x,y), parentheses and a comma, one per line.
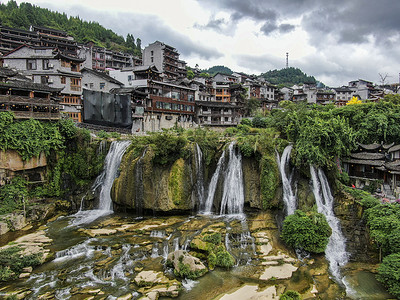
(268,28)
(260,63)
(285,28)
(212,24)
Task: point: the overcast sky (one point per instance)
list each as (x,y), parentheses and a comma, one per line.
(334,40)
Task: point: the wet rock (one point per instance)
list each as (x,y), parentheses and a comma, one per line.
(125,297)
(279,272)
(150,278)
(3,228)
(252,292)
(24,275)
(185,265)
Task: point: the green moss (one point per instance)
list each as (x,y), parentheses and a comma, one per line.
(212,260)
(184,271)
(214,238)
(269,181)
(12,263)
(175,182)
(224,258)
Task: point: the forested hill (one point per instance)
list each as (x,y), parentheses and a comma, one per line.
(23,15)
(218,69)
(288,77)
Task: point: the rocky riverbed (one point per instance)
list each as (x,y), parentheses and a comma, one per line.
(121,257)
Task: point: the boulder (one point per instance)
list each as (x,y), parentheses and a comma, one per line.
(185,265)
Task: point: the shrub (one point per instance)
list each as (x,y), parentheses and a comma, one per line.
(214,238)
(389,274)
(12,195)
(12,263)
(224,259)
(290,295)
(306,231)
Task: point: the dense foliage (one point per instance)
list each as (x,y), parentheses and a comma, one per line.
(13,195)
(384,223)
(309,231)
(290,295)
(219,69)
(389,274)
(24,15)
(288,77)
(72,159)
(12,262)
(30,137)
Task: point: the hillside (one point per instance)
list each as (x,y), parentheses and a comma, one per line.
(288,77)
(218,69)
(23,15)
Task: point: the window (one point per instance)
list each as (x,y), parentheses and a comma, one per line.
(130,77)
(152,52)
(65,64)
(75,84)
(63,80)
(102,85)
(44,79)
(91,85)
(45,64)
(31,64)
(152,59)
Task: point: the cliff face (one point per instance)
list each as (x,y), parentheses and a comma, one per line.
(144,185)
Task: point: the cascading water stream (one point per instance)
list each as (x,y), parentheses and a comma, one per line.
(104,181)
(289,197)
(200,176)
(213,185)
(233,193)
(336,249)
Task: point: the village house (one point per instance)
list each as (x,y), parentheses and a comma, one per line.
(166,104)
(27,99)
(98,81)
(166,59)
(376,163)
(51,67)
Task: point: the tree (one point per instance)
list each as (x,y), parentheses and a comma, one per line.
(252,105)
(389,274)
(306,231)
(354,100)
(190,74)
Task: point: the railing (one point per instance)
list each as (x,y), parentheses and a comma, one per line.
(369,175)
(35,115)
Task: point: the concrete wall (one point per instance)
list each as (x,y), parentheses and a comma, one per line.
(158,56)
(92,82)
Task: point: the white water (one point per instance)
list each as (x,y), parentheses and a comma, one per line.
(200,176)
(213,185)
(336,249)
(104,181)
(233,193)
(289,197)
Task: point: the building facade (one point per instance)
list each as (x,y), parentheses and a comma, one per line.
(51,67)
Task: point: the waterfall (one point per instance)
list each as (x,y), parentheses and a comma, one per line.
(213,185)
(233,193)
(289,197)
(336,249)
(200,176)
(139,195)
(104,181)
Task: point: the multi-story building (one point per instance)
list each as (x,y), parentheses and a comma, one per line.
(165,104)
(102,59)
(98,81)
(343,95)
(51,67)
(12,38)
(165,58)
(27,99)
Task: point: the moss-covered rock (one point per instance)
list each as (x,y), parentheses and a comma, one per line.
(269,181)
(186,265)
